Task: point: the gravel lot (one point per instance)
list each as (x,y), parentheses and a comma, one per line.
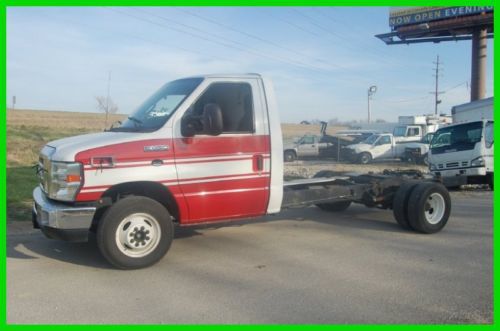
(301,266)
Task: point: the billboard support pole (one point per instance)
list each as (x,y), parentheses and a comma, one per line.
(478,65)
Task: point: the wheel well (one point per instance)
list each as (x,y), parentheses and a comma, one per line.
(291,151)
(365,152)
(152,190)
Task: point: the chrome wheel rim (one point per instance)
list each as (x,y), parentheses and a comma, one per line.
(434,208)
(138,235)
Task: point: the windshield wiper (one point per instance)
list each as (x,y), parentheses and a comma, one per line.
(135,120)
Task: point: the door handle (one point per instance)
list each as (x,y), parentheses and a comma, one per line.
(258,162)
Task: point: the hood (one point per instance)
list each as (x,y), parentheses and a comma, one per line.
(415,145)
(67,148)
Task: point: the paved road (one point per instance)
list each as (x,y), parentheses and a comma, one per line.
(303,266)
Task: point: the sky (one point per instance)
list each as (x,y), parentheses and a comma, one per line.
(322,60)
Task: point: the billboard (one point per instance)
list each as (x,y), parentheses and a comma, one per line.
(400,16)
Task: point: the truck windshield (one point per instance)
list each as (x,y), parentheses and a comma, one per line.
(457,138)
(158,108)
(399,131)
(371,139)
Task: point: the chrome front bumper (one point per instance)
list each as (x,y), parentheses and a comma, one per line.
(61,221)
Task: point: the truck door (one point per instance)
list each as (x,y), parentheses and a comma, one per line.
(382,147)
(226,176)
(308,146)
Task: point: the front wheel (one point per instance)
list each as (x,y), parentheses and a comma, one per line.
(134,233)
(289,156)
(429,207)
(365,158)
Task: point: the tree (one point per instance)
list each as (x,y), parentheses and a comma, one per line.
(107,106)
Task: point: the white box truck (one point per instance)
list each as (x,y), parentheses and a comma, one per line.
(462,153)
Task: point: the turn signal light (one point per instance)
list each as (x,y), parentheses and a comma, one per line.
(72,178)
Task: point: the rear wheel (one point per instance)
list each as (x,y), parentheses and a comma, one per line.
(400,204)
(429,207)
(365,158)
(289,156)
(135,232)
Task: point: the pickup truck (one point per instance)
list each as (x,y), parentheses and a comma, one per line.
(200,150)
(376,147)
(324,146)
(305,147)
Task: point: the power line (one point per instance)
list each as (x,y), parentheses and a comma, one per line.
(255,37)
(313,33)
(348,44)
(216,41)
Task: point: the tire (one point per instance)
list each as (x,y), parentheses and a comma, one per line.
(289,156)
(490,181)
(135,232)
(400,204)
(429,207)
(364,158)
(331,206)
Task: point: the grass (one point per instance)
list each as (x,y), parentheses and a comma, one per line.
(29,130)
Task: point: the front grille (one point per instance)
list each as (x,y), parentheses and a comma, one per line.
(452,165)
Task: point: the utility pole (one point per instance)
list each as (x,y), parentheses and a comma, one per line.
(436,91)
(478,72)
(371,91)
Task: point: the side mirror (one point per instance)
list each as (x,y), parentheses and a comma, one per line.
(190,125)
(212,119)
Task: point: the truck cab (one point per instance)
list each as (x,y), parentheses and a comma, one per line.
(463,153)
(408,133)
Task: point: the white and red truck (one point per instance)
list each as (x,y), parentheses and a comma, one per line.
(200,150)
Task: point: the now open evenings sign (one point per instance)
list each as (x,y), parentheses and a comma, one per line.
(414,15)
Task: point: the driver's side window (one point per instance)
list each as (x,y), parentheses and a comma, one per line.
(384,140)
(235,102)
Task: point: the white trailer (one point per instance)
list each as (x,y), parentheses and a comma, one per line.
(473,111)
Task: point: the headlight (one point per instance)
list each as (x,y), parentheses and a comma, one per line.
(432,167)
(477,162)
(65,180)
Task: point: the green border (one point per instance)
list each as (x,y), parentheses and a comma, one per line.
(3,153)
